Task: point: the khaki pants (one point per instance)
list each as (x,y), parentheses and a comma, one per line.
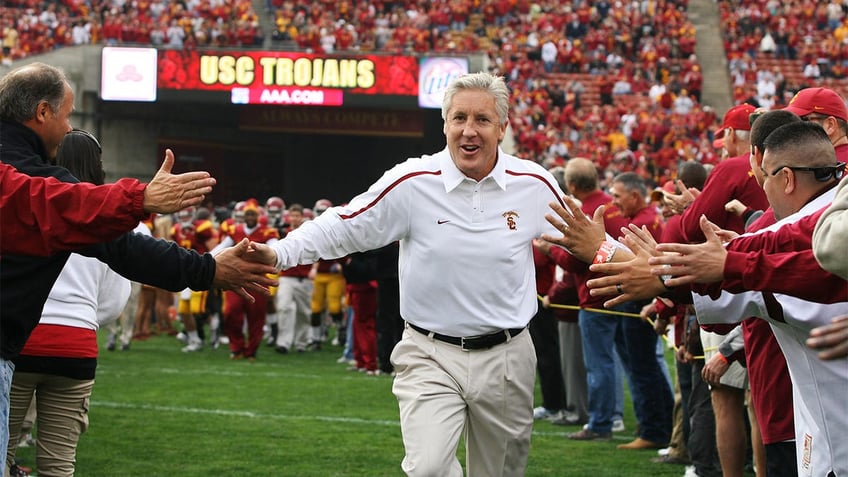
(443,391)
(62,416)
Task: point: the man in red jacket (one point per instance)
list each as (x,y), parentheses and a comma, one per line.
(42,215)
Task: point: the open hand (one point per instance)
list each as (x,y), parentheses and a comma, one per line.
(168,193)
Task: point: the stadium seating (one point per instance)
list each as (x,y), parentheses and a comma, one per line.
(564,104)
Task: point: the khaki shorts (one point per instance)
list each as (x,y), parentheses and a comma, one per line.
(737,375)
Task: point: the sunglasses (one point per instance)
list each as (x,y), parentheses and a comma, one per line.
(821,174)
(90,136)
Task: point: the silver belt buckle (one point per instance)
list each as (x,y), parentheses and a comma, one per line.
(462,344)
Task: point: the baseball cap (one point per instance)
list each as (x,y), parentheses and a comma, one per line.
(736,118)
(820,101)
(658,194)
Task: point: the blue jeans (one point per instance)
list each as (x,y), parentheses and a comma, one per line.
(598,332)
(618,413)
(653,400)
(635,342)
(7,370)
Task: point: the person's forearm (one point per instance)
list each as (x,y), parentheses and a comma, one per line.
(41,216)
(156,262)
(791,273)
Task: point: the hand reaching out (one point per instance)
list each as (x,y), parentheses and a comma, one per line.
(167,193)
(631,279)
(700,263)
(580,235)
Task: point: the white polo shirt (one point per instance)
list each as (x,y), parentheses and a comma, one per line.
(819,388)
(466,259)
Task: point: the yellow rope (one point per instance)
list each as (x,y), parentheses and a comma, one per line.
(622,313)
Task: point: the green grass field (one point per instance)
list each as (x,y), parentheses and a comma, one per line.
(156,411)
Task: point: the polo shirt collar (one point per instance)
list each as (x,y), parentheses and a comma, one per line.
(452,176)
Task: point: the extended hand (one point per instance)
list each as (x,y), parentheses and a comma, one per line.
(701,263)
(168,193)
(679,202)
(580,235)
(261,253)
(631,279)
(234,272)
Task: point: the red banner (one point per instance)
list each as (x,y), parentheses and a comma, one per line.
(276,77)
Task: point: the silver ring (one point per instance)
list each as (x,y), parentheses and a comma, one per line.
(618,288)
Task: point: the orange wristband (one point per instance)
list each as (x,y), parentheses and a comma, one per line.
(605,253)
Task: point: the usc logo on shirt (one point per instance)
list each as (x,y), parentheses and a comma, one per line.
(510,219)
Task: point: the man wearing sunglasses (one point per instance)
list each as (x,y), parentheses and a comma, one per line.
(793,294)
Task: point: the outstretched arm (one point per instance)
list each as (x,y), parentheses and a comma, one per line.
(40,216)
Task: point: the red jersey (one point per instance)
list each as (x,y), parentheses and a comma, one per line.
(194,235)
(260,234)
(731,179)
(226,228)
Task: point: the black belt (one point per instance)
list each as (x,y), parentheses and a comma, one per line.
(472,342)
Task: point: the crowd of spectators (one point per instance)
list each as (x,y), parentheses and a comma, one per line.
(35,26)
(775,48)
(615,82)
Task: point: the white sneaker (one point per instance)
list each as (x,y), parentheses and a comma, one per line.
(618,425)
(690,471)
(182,337)
(542,412)
(663,452)
(193,346)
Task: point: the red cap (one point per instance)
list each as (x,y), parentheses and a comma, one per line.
(659,193)
(819,101)
(736,118)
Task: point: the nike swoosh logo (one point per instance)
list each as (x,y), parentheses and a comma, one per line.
(440,222)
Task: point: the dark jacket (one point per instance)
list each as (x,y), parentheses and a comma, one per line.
(26,281)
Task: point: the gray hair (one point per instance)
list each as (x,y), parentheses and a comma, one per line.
(494,85)
(24,88)
(632,182)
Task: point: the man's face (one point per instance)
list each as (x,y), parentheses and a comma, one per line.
(473,132)
(624,199)
(251,217)
(57,123)
(774,181)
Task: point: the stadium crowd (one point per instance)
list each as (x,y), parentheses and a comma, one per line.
(615,84)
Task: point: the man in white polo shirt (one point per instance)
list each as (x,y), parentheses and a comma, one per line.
(465,218)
